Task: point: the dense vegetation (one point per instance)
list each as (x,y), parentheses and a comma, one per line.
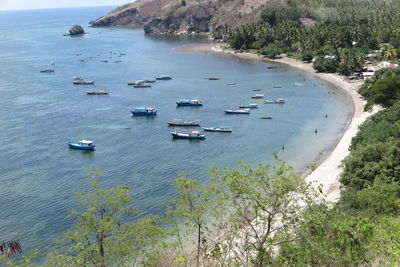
(345,30)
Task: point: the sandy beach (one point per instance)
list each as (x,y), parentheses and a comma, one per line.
(328,170)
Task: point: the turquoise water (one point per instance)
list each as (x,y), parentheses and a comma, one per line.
(40,112)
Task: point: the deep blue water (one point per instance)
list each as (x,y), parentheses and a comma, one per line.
(40,112)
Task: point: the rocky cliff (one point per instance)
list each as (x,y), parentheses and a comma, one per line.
(182,16)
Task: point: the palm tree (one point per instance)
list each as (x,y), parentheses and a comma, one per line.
(390,52)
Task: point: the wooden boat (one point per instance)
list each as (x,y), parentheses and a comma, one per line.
(189,102)
(223,129)
(136,82)
(82,145)
(258,96)
(238,111)
(97,92)
(179,122)
(278,101)
(142,85)
(47,71)
(163,77)
(144,111)
(192,135)
(80,80)
(266,117)
(251,106)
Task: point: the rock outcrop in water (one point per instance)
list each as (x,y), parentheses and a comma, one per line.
(182,16)
(76,30)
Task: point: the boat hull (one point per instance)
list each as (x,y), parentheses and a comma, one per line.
(190,137)
(189,104)
(218,130)
(143,113)
(183,124)
(80,147)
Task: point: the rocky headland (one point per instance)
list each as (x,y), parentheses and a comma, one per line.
(182,16)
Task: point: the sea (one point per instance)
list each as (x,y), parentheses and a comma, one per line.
(41,112)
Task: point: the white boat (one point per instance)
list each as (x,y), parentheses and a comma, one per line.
(223,129)
(251,106)
(80,80)
(278,101)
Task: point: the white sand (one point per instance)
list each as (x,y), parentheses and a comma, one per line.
(328,171)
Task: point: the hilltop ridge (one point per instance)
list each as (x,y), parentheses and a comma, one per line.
(182,16)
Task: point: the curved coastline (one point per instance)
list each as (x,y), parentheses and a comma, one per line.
(328,168)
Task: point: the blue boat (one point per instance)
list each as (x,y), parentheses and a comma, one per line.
(82,145)
(163,77)
(189,102)
(144,112)
(192,135)
(238,111)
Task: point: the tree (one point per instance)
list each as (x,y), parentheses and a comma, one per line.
(193,209)
(266,206)
(271,50)
(390,52)
(102,234)
(323,64)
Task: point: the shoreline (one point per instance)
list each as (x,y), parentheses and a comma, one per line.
(328,168)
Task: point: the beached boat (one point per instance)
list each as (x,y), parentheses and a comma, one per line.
(97,92)
(179,122)
(189,102)
(258,96)
(223,129)
(144,111)
(278,101)
(163,77)
(193,135)
(238,111)
(266,117)
(80,80)
(82,145)
(47,71)
(251,106)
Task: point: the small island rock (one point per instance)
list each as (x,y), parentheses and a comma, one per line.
(76,30)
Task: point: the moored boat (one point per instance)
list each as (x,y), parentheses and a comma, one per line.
(80,80)
(223,129)
(82,145)
(141,111)
(189,102)
(163,77)
(258,96)
(97,92)
(149,80)
(142,85)
(136,82)
(47,71)
(238,111)
(251,106)
(179,122)
(192,134)
(278,101)
(213,78)
(266,117)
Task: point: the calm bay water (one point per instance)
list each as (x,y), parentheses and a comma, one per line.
(40,112)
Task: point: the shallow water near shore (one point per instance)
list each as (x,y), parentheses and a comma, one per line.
(40,112)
